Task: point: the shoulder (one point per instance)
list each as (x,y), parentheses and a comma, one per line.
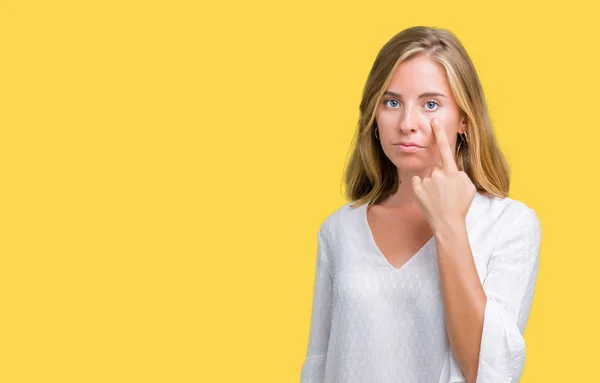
(338,220)
(514,218)
(508,211)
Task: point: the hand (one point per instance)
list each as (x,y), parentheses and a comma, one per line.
(446,194)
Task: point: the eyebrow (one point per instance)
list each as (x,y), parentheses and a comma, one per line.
(427,94)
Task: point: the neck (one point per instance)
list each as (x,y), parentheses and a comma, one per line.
(405,197)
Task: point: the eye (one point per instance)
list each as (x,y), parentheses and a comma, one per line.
(389,99)
(432,103)
(429,104)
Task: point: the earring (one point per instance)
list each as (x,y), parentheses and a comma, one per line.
(463,138)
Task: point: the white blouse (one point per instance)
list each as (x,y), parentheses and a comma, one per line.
(373,322)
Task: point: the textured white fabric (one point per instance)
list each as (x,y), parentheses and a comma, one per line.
(372,322)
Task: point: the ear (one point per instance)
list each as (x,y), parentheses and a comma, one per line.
(463,123)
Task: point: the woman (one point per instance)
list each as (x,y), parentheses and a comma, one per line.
(428,275)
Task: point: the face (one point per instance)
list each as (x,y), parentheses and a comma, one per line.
(419,91)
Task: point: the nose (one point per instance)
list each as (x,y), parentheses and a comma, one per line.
(409,120)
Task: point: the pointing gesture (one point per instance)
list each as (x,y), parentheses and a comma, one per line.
(446,194)
(448,163)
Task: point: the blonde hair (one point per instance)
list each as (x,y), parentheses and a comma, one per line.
(370,176)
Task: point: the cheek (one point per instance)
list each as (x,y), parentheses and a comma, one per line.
(386,117)
(451,126)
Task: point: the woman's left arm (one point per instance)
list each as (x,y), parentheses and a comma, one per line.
(463,295)
(486,322)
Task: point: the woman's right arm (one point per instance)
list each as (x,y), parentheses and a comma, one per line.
(313,368)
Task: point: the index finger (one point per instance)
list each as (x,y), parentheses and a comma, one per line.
(441,138)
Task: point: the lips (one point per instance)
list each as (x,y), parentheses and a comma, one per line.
(407,148)
(407,144)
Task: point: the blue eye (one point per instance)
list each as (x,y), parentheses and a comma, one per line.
(430,104)
(391,99)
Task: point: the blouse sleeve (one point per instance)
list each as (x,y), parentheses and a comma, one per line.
(509,285)
(313,368)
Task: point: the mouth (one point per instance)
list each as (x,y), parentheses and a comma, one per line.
(408,148)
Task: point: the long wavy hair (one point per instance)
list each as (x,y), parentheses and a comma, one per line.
(370,176)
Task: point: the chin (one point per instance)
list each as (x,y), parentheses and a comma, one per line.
(410,163)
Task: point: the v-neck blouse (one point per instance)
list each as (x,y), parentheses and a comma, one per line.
(373,322)
(376,250)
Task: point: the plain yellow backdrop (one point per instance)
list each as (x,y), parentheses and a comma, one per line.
(165,166)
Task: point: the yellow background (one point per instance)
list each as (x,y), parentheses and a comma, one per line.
(165,167)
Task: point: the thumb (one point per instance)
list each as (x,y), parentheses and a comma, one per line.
(416,182)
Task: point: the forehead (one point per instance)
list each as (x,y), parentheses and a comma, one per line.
(417,75)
